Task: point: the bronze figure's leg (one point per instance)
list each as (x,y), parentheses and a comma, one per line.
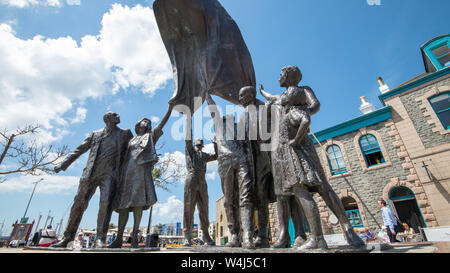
(137,214)
(311,210)
(105,211)
(297,220)
(86,190)
(246,195)
(231,205)
(247,222)
(203,211)
(262,204)
(123,219)
(335,204)
(262,239)
(283,209)
(190,194)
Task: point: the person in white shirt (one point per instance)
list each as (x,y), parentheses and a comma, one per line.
(48,237)
(389,220)
(383,236)
(79,242)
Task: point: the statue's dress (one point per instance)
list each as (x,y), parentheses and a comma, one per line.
(136,187)
(293,166)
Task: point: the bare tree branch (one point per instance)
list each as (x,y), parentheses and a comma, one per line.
(168,172)
(28,157)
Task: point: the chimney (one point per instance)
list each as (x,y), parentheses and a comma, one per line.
(383,87)
(366,107)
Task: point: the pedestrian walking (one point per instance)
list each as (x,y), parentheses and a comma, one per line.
(389,221)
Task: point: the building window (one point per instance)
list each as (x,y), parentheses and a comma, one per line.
(336,160)
(439,52)
(441,106)
(371,150)
(352,212)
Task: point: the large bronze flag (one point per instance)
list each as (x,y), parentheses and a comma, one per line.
(206,50)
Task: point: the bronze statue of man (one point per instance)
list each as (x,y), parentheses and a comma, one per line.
(237,177)
(252,120)
(294,107)
(107,149)
(195,188)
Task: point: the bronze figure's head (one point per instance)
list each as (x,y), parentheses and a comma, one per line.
(111,118)
(143,126)
(247,95)
(290,76)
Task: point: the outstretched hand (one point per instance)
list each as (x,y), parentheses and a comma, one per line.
(261,87)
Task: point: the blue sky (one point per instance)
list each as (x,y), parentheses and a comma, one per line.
(65,63)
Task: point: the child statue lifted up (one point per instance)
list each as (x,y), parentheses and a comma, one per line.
(294,102)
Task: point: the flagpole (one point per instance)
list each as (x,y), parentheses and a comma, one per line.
(147,240)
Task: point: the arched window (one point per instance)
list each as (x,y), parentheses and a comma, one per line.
(352,212)
(371,150)
(336,160)
(439,52)
(441,106)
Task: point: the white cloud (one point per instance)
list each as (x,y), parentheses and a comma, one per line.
(213,165)
(52,184)
(80,115)
(73,2)
(171,211)
(155,119)
(29,3)
(42,79)
(211,175)
(32,3)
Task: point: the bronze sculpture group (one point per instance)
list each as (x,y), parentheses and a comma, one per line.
(255,170)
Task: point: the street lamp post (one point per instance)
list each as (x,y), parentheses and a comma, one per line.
(29,201)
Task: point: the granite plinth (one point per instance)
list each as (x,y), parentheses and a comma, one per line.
(331,249)
(111,250)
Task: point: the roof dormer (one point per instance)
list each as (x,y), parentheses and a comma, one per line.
(436,53)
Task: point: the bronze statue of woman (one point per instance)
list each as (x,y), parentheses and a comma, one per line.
(136,191)
(294,157)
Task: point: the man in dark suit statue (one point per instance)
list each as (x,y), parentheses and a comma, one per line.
(107,149)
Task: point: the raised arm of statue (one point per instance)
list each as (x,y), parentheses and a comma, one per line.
(214,111)
(189,147)
(271,98)
(157,132)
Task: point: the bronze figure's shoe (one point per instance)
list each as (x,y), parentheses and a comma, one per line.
(100,244)
(314,242)
(116,244)
(187,242)
(134,245)
(234,241)
(299,241)
(282,244)
(62,244)
(248,245)
(262,242)
(210,242)
(353,239)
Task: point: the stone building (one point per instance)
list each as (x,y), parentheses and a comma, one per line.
(400,153)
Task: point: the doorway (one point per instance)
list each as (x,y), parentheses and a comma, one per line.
(405,205)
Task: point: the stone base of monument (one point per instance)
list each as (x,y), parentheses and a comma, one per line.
(332,249)
(111,250)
